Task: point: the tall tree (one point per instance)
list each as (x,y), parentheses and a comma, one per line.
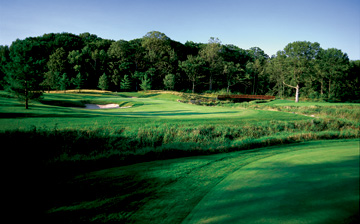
(159,54)
(255,67)
(192,67)
(333,63)
(56,66)
(57,61)
(352,82)
(254,70)
(232,74)
(277,70)
(211,55)
(25,70)
(120,60)
(299,57)
(78,81)
(4,60)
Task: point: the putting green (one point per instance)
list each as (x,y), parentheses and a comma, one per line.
(318,184)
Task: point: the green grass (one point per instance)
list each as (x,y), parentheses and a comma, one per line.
(56,109)
(305,183)
(156,126)
(316,184)
(57,144)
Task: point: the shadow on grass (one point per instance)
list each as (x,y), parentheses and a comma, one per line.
(100,199)
(85,113)
(173,113)
(38,115)
(287,193)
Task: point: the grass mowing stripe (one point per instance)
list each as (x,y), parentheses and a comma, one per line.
(153,192)
(318,184)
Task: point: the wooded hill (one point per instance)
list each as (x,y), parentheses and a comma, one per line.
(65,61)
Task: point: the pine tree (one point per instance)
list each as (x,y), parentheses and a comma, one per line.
(145,83)
(64,82)
(24,71)
(103,82)
(126,83)
(78,81)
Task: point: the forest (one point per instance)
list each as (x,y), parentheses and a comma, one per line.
(61,61)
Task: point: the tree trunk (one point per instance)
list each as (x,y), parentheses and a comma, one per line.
(193,89)
(329,89)
(254,83)
(210,83)
(297,94)
(228,87)
(297,88)
(26,96)
(322,88)
(26,103)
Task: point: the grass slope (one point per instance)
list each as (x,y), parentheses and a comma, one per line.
(167,191)
(55,145)
(318,184)
(57,109)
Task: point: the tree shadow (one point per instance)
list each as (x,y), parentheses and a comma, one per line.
(315,193)
(171,113)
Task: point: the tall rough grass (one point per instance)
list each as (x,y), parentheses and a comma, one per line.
(156,141)
(348,112)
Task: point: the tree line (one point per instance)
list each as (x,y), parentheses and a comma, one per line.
(60,61)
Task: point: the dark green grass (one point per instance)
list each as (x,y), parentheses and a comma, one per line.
(52,142)
(166,191)
(319,184)
(161,127)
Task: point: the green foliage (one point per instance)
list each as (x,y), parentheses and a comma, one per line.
(78,81)
(103,82)
(309,70)
(233,74)
(192,67)
(64,82)
(169,81)
(145,83)
(57,61)
(125,83)
(24,68)
(211,55)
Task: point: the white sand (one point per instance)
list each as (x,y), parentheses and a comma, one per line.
(106,106)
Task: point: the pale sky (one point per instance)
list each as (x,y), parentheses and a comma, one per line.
(270,25)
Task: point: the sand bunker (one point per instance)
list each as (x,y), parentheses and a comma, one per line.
(106,106)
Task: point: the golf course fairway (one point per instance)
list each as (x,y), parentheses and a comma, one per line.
(318,184)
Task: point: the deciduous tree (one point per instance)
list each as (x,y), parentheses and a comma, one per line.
(24,73)
(169,81)
(192,68)
(299,58)
(232,74)
(211,55)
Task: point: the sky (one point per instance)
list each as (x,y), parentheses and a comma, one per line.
(267,24)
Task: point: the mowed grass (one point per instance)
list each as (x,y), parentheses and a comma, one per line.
(313,182)
(57,144)
(59,109)
(316,184)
